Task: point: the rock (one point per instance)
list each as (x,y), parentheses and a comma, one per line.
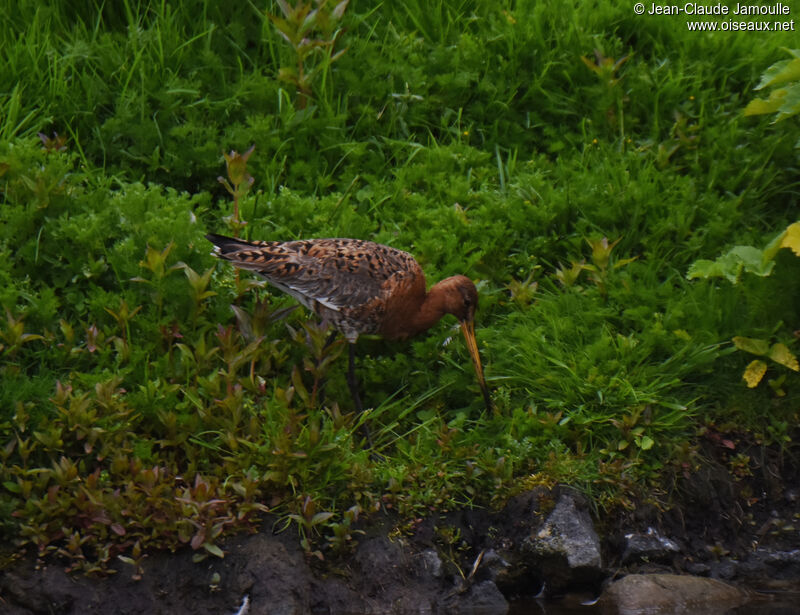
(648,547)
(783,564)
(493,565)
(725,569)
(480,599)
(699,569)
(431,563)
(566,550)
(769,567)
(666,593)
(51,590)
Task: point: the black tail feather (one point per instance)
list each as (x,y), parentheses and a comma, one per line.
(225,245)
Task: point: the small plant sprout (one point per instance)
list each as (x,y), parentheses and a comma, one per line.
(522,293)
(13,333)
(199,288)
(56,143)
(307,521)
(605,68)
(298,26)
(611,96)
(567,276)
(155,262)
(238,184)
(601,259)
(123,316)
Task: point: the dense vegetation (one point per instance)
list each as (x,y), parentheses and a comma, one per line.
(576,163)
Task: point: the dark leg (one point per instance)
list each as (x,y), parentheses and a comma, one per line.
(330,339)
(352,382)
(321,388)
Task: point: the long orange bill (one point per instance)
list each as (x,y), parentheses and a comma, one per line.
(468,328)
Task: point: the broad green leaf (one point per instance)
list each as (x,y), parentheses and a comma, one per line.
(646,443)
(703,268)
(791,103)
(730,265)
(752,345)
(780,353)
(754,372)
(752,259)
(761,106)
(780,73)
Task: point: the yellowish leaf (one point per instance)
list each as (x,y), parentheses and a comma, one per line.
(754,372)
(752,345)
(760,106)
(780,353)
(791,239)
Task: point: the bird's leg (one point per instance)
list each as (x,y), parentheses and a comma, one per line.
(352,382)
(330,339)
(321,387)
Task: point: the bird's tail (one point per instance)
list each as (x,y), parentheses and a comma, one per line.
(226,245)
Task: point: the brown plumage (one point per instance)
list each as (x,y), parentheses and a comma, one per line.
(359,287)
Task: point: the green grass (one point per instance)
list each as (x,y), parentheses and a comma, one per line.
(137,411)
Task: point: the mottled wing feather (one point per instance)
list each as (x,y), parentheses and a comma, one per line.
(345,280)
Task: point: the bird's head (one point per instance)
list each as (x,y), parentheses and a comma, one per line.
(460,298)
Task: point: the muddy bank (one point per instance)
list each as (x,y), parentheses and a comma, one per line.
(543,542)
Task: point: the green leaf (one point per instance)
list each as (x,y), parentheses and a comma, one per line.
(12,487)
(773,246)
(780,73)
(647,443)
(339,9)
(285,29)
(761,106)
(791,103)
(730,265)
(213,549)
(780,353)
(752,259)
(321,517)
(752,345)
(285,9)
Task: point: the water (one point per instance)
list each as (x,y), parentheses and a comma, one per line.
(575,604)
(571,604)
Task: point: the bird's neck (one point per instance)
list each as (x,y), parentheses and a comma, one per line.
(430,311)
(416,311)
